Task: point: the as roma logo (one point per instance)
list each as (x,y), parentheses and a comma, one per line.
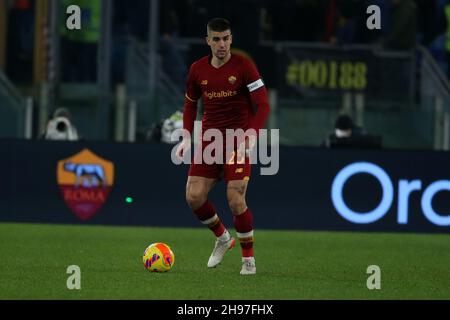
(85,181)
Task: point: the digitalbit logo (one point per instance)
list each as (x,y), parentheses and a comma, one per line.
(220,94)
(85,181)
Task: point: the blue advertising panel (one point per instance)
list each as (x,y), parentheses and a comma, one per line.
(137,184)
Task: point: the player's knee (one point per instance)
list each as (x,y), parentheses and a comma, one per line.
(195,198)
(237,204)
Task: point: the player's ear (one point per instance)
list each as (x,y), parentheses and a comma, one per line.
(207,40)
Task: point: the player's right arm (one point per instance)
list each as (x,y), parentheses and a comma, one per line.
(193,93)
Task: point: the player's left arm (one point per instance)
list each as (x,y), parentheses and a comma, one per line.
(260,102)
(259,97)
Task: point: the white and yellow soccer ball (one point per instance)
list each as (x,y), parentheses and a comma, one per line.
(158,257)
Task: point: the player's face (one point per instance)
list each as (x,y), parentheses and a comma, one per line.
(220,43)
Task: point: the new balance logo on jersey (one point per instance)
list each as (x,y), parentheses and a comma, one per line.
(220,94)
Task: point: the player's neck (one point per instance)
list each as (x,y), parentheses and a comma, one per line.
(217,63)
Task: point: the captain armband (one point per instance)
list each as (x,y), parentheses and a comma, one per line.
(255,85)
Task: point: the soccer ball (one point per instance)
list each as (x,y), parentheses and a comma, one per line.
(158,257)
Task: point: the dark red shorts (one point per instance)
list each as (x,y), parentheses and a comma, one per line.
(234,168)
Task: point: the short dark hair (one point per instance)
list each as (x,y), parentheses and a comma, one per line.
(344,122)
(218,25)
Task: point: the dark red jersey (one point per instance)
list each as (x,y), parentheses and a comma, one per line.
(234,95)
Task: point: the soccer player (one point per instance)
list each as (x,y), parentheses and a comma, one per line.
(234,97)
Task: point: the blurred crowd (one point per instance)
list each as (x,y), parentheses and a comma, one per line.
(403,24)
(331,21)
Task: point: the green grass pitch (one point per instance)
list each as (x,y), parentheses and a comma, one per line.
(290,264)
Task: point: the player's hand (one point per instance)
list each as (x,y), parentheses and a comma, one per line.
(245,149)
(183,147)
(250,143)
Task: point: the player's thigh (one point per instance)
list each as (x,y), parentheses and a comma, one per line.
(236,190)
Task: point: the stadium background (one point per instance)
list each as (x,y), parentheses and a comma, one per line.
(124,72)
